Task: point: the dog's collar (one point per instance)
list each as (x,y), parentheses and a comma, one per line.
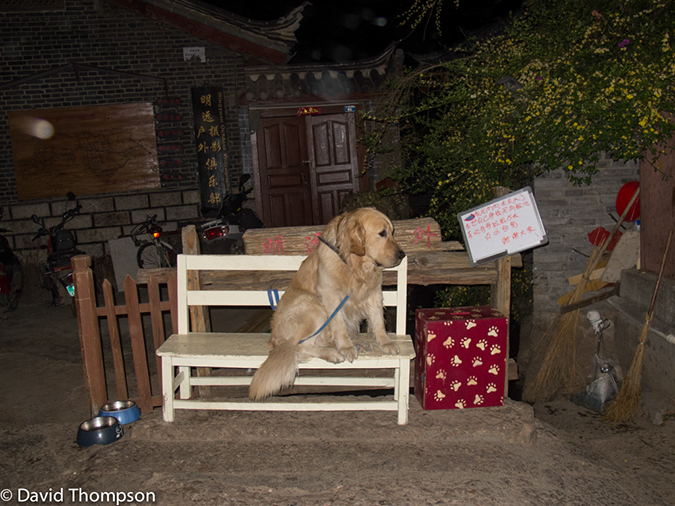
(333,247)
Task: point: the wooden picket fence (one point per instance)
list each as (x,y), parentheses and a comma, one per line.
(88,314)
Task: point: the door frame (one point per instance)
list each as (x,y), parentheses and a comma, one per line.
(290,110)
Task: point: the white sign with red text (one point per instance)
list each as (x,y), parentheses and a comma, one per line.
(502,227)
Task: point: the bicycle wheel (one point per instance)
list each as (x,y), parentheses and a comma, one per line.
(154,256)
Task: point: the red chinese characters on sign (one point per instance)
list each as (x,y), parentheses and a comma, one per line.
(274,246)
(420,233)
(312,242)
(499,220)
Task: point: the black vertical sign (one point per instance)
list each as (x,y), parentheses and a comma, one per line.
(214,174)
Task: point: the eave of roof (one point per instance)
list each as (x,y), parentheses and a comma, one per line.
(270,40)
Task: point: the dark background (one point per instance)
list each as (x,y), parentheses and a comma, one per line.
(351,30)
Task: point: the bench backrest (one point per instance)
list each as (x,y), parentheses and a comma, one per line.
(396,297)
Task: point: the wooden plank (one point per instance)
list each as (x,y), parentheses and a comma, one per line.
(258,321)
(420,234)
(138,346)
(172,288)
(595,274)
(199,315)
(590,300)
(591,286)
(115,344)
(156,319)
(500,294)
(90,338)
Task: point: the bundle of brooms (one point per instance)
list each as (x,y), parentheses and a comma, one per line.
(559,365)
(626,405)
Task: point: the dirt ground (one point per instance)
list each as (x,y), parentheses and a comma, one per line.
(554,453)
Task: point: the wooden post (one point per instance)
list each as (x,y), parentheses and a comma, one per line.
(90,338)
(500,294)
(199,315)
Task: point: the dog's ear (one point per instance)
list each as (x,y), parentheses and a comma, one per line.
(351,237)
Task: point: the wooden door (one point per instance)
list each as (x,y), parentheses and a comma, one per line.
(333,159)
(284,172)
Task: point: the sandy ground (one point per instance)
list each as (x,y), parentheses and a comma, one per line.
(554,453)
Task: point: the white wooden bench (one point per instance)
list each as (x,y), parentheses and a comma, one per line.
(245,351)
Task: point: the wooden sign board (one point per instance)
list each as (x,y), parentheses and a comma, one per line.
(502,227)
(84,150)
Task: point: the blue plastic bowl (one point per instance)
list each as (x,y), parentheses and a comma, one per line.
(100,430)
(125,411)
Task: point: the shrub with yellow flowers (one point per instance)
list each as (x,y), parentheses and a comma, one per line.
(567,81)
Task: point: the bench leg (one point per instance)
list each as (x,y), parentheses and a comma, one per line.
(167,388)
(403,386)
(185,387)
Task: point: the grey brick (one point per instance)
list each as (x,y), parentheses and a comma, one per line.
(191,197)
(111,219)
(19,212)
(165,199)
(93,235)
(190,212)
(141,215)
(131,202)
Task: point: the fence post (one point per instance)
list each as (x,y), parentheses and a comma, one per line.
(90,338)
(500,295)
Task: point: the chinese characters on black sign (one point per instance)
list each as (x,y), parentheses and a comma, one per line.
(214,174)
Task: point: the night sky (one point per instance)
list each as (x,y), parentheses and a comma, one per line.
(350,30)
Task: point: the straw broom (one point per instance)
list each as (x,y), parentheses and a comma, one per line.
(626,405)
(559,366)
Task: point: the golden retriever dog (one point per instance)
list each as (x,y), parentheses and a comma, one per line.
(355,247)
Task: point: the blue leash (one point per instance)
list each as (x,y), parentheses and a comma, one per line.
(273,296)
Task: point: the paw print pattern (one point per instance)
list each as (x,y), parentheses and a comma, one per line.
(439,396)
(493,332)
(494,369)
(471,381)
(495,349)
(449,342)
(460,404)
(455,385)
(430,336)
(466,342)
(455,361)
(431,359)
(482,344)
(478,400)
(470,324)
(491,388)
(441,375)
(476,361)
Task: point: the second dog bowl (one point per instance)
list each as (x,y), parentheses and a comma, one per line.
(125,411)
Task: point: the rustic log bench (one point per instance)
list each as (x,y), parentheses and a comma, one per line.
(185,351)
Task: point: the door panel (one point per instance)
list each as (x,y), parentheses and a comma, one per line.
(284,178)
(333,163)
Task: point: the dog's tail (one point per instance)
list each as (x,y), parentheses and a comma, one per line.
(275,373)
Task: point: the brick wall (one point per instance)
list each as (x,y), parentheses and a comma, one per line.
(101,219)
(569,213)
(97,33)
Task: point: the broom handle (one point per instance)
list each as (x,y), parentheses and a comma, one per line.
(591,266)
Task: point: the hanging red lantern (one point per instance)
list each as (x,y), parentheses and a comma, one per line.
(623,198)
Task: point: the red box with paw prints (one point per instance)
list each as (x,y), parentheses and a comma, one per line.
(461,357)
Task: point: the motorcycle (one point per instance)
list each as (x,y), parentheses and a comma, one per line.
(61,247)
(224,234)
(11,273)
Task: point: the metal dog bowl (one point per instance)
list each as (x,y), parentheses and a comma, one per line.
(100,430)
(125,411)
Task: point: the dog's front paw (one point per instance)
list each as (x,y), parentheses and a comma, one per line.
(349,353)
(333,356)
(390,348)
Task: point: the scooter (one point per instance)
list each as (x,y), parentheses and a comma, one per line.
(224,234)
(61,247)
(11,273)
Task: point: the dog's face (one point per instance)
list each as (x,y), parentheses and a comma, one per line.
(367,232)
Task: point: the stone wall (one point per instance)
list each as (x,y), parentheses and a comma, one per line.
(569,213)
(101,219)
